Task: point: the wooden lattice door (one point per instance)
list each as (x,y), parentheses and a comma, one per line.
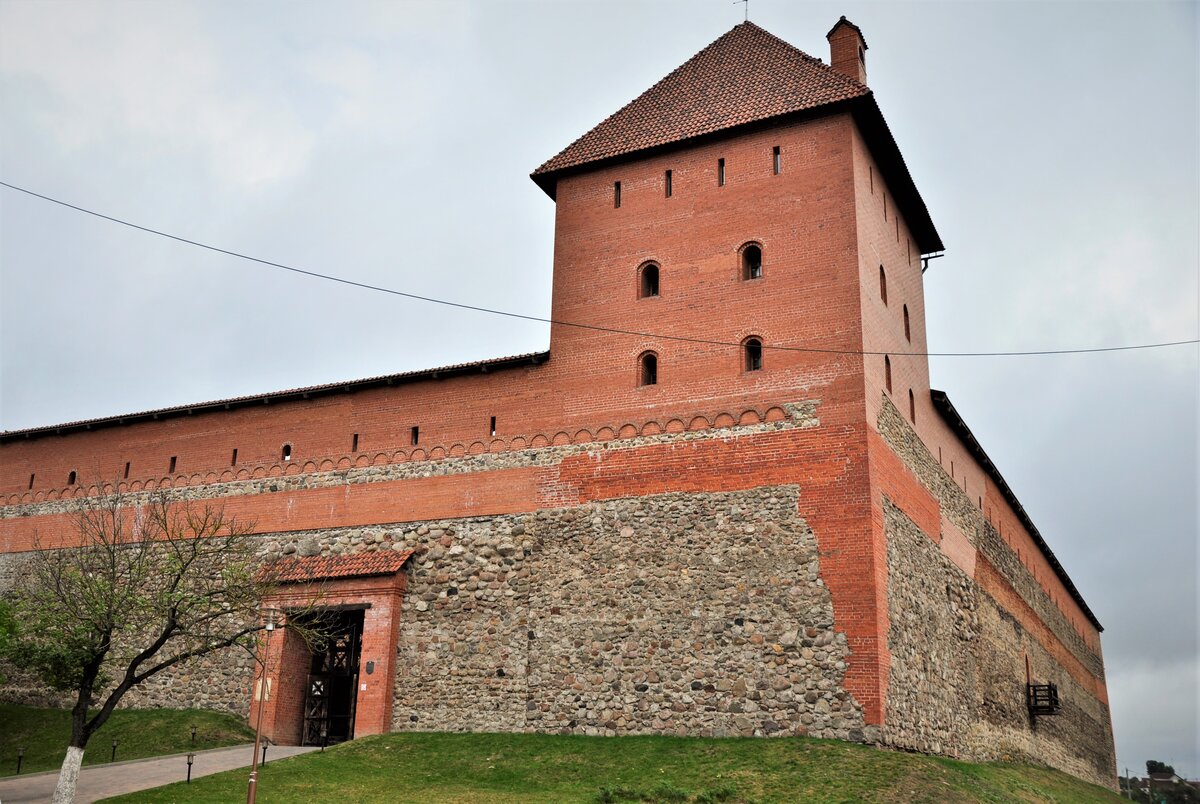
(331,695)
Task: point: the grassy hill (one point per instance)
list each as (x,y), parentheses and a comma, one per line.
(549,768)
(43,733)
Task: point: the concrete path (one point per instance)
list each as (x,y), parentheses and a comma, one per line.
(102,781)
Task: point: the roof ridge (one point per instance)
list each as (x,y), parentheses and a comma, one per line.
(644,91)
(745,75)
(811,58)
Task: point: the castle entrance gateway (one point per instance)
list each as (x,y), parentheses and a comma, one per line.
(331,692)
(341,688)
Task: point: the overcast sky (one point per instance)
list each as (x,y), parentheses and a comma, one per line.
(1055,145)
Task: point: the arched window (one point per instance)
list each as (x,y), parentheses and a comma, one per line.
(752,261)
(882,285)
(287,452)
(907,327)
(71,478)
(648,284)
(648,369)
(912,407)
(887,373)
(752,351)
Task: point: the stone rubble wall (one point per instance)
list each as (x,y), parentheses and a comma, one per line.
(957,678)
(932,607)
(675,613)
(1078,740)
(961,511)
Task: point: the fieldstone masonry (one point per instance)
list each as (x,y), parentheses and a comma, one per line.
(685,613)
(957,678)
(621,557)
(677,613)
(933,625)
(693,614)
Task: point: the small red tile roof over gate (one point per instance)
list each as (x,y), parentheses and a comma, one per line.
(745,76)
(319,568)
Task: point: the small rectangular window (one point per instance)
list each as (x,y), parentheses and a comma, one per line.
(493,426)
(233,461)
(776,160)
(720,172)
(172,469)
(354,443)
(31,482)
(416,435)
(616,195)
(126,470)
(668,184)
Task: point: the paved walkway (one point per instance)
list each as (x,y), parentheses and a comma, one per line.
(102,781)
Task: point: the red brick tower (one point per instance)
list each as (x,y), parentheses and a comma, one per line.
(726,501)
(744,182)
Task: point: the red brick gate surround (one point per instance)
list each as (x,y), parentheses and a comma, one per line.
(370,581)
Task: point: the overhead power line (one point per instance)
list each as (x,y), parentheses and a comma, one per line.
(559,322)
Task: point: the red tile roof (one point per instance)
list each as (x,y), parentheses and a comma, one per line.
(748,76)
(318,568)
(745,76)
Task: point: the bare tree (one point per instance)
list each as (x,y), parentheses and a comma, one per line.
(149,586)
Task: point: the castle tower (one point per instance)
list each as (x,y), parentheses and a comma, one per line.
(747,205)
(725,204)
(726,501)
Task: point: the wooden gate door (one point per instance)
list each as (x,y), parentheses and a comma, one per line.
(332,690)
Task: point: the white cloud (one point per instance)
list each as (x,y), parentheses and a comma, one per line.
(149,77)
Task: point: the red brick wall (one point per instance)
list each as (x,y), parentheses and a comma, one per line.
(287,661)
(803,217)
(822,227)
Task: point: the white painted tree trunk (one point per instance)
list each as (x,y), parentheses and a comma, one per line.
(68,777)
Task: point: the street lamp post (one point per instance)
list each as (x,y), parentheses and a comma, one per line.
(268,625)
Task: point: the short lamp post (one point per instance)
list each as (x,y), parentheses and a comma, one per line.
(270,618)
(20,758)
(113,758)
(193,735)
(191,759)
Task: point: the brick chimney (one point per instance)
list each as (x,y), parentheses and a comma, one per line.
(848,50)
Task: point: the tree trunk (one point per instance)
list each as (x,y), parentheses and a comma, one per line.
(68,777)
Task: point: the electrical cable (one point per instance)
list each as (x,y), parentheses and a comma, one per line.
(559,322)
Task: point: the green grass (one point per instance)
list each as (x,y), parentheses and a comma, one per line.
(44,733)
(544,768)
